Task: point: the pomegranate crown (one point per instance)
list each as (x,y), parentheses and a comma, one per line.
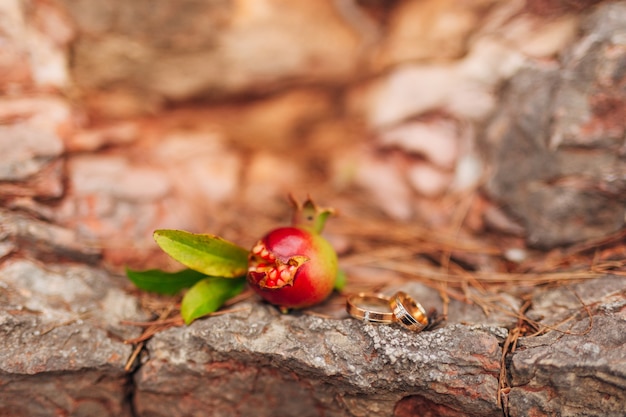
(309,215)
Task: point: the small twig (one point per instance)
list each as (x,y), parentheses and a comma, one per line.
(149,332)
(596,243)
(222,312)
(159,325)
(510,344)
(544,328)
(443,293)
(81,316)
(133,356)
(150,323)
(503,384)
(428,240)
(238,298)
(471,279)
(571,253)
(489,278)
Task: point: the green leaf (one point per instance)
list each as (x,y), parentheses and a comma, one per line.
(208,295)
(163,282)
(340,280)
(208,254)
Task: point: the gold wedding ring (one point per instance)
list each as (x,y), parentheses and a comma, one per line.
(374,308)
(408,312)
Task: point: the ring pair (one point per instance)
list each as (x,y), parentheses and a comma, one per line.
(377,308)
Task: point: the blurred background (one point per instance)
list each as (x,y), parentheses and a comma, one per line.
(498,123)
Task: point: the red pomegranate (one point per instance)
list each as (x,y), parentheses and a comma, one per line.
(294,267)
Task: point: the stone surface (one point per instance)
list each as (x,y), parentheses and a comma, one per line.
(26,151)
(464,87)
(384,179)
(14,65)
(61,349)
(460,312)
(541,38)
(589,106)
(62,352)
(31,135)
(35,37)
(436,140)
(216,48)
(94,139)
(556,146)
(111,193)
(432,30)
(32,131)
(581,371)
(43,240)
(297,90)
(307,365)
